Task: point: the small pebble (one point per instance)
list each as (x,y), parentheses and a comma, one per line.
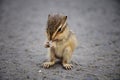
(39,71)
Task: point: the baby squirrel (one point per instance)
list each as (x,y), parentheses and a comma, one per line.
(61,42)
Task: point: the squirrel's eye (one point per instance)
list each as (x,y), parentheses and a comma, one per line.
(59,29)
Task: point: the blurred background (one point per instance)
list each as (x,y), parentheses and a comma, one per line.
(96,24)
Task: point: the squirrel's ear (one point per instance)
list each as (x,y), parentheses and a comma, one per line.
(49,15)
(65,17)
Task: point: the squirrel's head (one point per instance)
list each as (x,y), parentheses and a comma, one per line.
(56,25)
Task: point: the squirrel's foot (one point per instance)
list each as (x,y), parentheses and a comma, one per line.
(68,66)
(48,64)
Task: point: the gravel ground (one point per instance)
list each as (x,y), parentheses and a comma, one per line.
(95,22)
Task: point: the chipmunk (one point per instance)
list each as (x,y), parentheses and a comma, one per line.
(61,41)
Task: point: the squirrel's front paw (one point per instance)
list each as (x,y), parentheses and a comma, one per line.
(47,45)
(50,44)
(53,44)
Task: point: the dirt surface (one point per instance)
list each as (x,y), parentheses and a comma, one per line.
(95,22)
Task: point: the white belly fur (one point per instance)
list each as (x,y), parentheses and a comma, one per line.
(59,50)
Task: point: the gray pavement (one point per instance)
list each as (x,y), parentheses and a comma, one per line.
(22,34)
